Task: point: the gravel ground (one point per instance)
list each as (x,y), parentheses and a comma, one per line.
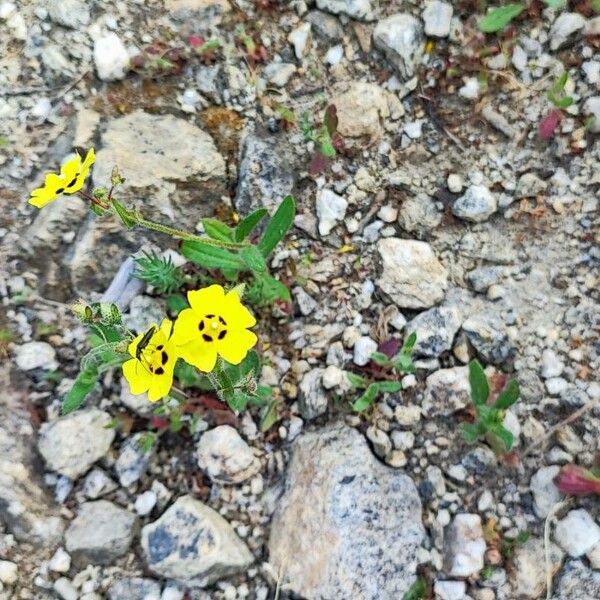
(462,205)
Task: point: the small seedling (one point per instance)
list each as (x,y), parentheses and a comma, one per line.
(489,416)
(417,591)
(556,94)
(326,138)
(400,364)
(499,18)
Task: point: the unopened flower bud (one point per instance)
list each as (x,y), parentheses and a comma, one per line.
(577,481)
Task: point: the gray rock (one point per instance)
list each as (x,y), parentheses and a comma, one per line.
(528,577)
(382,445)
(192,544)
(577,582)
(482,278)
(438,18)
(412,275)
(70,445)
(566,26)
(97,483)
(552,366)
(446,391)
(545,493)
(279,73)
(357,9)
(331,208)
(36,355)
(352,525)
(69,13)
(419,214)
(435,329)
(111,57)
(325,25)
(480,461)
(312,400)
(529,186)
(300,39)
(101,533)
(60,561)
(306,303)
(476,205)
(137,403)
(209,81)
(363,349)
(26,510)
(464,546)
(8,572)
(225,457)
(168,181)
(577,533)
(265,174)
(65,589)
(400,37)
(132,461)
(450,590)
(488,336)
(143,310)
(362,108)
(134,588)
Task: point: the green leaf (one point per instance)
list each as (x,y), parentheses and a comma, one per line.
(555,3)
(503,435)
(270,417)
(211,257)
(188,376)
(278,226)
(596,5)
(128,217)
(356,380)
(498,18)
(381,359)
(409,344)
(248,224)
(508,396)
(176,303)
(253,259)
(327,149)
(363,402)
(266,290)
(238,401)
(250,364)
(563,102)
(417,590)
(480,390)
(471,432)
(83,385)
(217,230)
(390,387)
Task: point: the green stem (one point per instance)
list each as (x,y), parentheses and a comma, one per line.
(184,235)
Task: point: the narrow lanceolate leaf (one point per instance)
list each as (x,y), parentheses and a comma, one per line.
(480,390)
(508,396)
(253,259)
(84,384)
(217,230)
(128,217)
(211,257)
(278,226)
(379,358)
(363,402)
(389,387)
(471,432)
(504,436)
(498,18)
(246,226)
(270,416)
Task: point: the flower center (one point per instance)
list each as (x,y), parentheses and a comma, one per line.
(155,359)
(212,328)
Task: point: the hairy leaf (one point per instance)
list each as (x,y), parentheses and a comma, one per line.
(363,402)
(83,385)
(508,396)
(211,257)
(217,230)
(480,390)
(278,226)
(246,226)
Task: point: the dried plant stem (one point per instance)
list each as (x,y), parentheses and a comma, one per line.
(572,417)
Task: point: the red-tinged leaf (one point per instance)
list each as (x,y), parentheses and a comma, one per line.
(195,41)
(338,142)
(331,119)
(577,481)
(548,125)
(318,164)
(389,347)
(159,423)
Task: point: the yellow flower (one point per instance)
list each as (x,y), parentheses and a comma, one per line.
(71,179)
(216,324)
(154,357)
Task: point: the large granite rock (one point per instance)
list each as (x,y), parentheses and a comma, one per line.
(347,526)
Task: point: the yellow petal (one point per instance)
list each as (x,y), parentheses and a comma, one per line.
(132,348)
(235,345)
(88,161)
(41,197)
(235,313)
(137,376)
(207,300)
(160,385)
(186,327)
(200,354)
(166,328)
(71,168)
